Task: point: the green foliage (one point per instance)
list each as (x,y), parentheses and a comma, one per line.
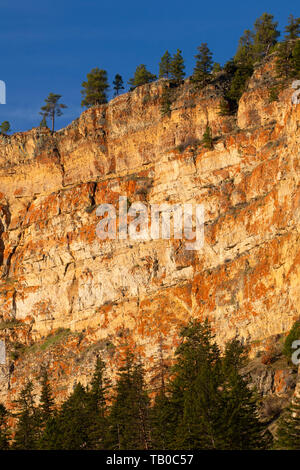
(52,108)
(288,431)
(165,65)
(118,84)
(141,77)
(95,88)
(177,67)
(201,75)
(46,406)
(265,35)
(207,139)
(129,415)
(214,406)
(293,28)
(293,335)
(284,65)
(238,82)
(245,54)
(206,404)
(28,425)
(5,128)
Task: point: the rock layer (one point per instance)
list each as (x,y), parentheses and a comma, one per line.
(56,273)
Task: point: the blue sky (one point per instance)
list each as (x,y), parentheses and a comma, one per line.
(50,45)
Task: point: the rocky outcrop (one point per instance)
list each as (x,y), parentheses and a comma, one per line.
(56,273)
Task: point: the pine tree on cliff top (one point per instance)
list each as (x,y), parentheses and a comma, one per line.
(118,84)
(52,108)
(203,65)
(177,67)
(265,34)
(293,28)
(245,53)
(165,65)
(141,77)
(95,88)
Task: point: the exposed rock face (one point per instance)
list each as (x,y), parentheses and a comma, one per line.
(57,273)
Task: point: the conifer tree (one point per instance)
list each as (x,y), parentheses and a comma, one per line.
(194,388)
(95,88)
(129,416)
(265,34)
(203,67)
(141,77)
(288,432)
(69,430)
(164,421)
(52,108)
(284,65)
(243,429)
(245,54)
(177,67)
(27,430)
(46,405)
(238,82)
(293,28)
(165,65)
(97,392)
(118,84)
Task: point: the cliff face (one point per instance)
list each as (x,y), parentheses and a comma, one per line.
(56,273)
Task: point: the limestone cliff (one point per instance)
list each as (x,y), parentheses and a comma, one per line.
(56,273)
